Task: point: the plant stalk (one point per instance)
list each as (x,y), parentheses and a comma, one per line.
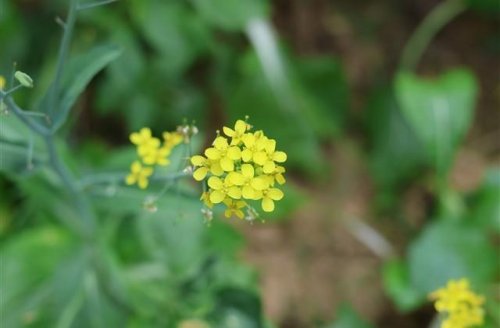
(445,12)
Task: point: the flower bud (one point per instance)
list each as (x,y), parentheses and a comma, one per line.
(24,79)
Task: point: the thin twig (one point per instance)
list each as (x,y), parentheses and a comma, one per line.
(95,4)
(430,26)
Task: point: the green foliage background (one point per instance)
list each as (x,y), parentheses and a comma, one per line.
(156,63)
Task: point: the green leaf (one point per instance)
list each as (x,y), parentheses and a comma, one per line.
(325,92)
(27,264)
(439,111)
(485,208)
(237,308)
(174,31)
(397,284)
(396,154)
(80,72)
(347,317)
(230,15)
(252,95)
(450,250)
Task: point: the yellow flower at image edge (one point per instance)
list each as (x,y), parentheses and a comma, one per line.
(462,307)
(139,174)
(2,82)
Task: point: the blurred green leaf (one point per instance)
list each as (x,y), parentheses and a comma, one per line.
(80,71)
(252,95)
(450,250)
(397,284)
(173,30)
(439,111)
(490,7)
(28,262)
(230,15)
(325,88)
(347,317)
(486,202)
(237,308)
(396,154)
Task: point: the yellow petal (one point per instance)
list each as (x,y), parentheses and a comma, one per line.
(216,169)
(200,173)
(248,192)
(267,204)
(269,167)
(198,160)
(270,146)
(248,140)
(143,183)
(227,164)
(227,131)
(145,132)
(260,157)
(279,156)
(130,180)
(240,126)
(275,194)
(227,213)
(215,183)
(280,179)
(235,178)
(259,183)
(212,153)
(246,155)
(234,192)
(136,167)
(247,171)
(239,213)
(234,153)
(217,196)
(135,138)
(220,143)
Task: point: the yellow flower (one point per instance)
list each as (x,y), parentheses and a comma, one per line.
(171,139)
(2,82)
(463,308)
(241,171)
(268,156)
(225,154)
(221,189)
(205,166)
(144,141)
(234,207)
(150,153)
(268,197)
(240,127)
(157,156)
(254,143)
(139,174)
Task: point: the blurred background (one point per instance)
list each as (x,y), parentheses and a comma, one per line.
(389,112)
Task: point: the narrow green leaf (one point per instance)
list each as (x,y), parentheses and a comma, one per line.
(80,72)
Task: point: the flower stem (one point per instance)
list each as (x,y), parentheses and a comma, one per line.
(61,61)
(445,12)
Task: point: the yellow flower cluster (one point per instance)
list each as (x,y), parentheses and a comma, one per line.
(462,306)
(151,152)
(240,167)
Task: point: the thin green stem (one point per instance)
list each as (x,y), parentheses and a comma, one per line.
(95,4)
(21,114)
(63,54)
(68,180)
(445,12)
